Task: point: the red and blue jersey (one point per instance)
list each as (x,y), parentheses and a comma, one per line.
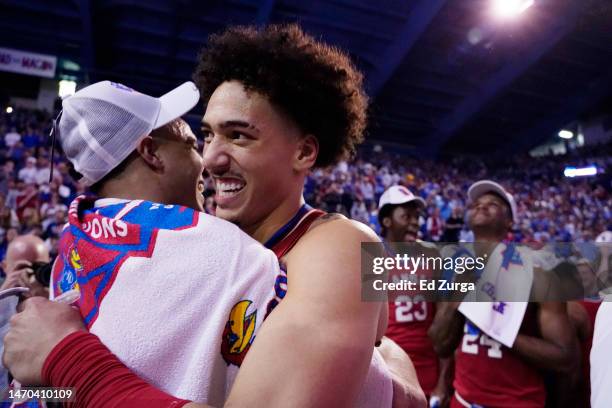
(490,374)
(176,294)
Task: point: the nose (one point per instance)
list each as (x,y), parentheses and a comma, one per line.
(413,219)
(481,206)
(216,158)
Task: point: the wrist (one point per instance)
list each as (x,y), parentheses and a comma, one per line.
(99,378)
(60,355)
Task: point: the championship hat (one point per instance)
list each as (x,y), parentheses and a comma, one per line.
(483,187)
(396,195)
(100,125)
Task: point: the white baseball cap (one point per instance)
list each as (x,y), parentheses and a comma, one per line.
(396,195)
(483,187)
(604,238)
(102,124)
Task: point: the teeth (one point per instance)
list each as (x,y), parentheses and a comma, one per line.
(226,193)
(223,187)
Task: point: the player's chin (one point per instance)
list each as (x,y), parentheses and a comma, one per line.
(480,220)
(230,214)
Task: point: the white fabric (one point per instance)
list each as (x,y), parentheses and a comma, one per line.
(42,175)
(28,175)
(396,195)
(601,369)
(11,139)
(501,327)
(493,306)
(164,315)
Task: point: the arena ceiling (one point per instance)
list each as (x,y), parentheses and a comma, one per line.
(443,75)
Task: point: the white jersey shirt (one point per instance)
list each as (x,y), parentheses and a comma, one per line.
(176,294)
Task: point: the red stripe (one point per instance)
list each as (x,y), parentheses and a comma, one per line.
(288,242)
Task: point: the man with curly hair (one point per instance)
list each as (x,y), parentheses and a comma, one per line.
(280,103)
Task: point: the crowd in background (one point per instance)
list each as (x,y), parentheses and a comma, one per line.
(550,206)
(31,202)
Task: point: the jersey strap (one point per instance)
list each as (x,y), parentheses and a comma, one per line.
(289,234)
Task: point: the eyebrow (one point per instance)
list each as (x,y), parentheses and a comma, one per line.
(233,123)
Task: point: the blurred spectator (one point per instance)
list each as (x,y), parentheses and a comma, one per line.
(42,170)
(435,225)
(30,139)
(28,173)
(27,198)
(54,228)
(11,138)
(8,216)
(22,254)
(360,213)
(453,226)
(48,209)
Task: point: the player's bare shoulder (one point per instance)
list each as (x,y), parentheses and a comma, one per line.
(340,226)
(335,237)
(327,218)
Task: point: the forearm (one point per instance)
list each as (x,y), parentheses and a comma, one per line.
(99,378)
(446,329)
(446,374)
(407,391)
(545,354)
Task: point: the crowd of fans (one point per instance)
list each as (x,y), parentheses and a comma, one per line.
(550,206)
(29,201)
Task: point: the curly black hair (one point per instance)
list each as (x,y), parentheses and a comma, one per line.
(315,84)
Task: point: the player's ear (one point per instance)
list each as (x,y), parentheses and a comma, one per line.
(306,153)
(148,149)
(386,222)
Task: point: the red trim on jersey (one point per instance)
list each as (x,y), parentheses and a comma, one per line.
(288,242)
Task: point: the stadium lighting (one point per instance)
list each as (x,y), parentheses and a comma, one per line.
(510,8)
(580,171)
(566,134)
(66,88)
(9,109)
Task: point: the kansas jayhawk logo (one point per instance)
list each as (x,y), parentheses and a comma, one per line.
(238,333)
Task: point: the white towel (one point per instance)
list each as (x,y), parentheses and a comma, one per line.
(498,304)
(158,286)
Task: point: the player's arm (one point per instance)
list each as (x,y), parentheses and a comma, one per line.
(315,348)
(580,320)
(406,389)
(444,387)
(446,329)
(556,349)
(48,344)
